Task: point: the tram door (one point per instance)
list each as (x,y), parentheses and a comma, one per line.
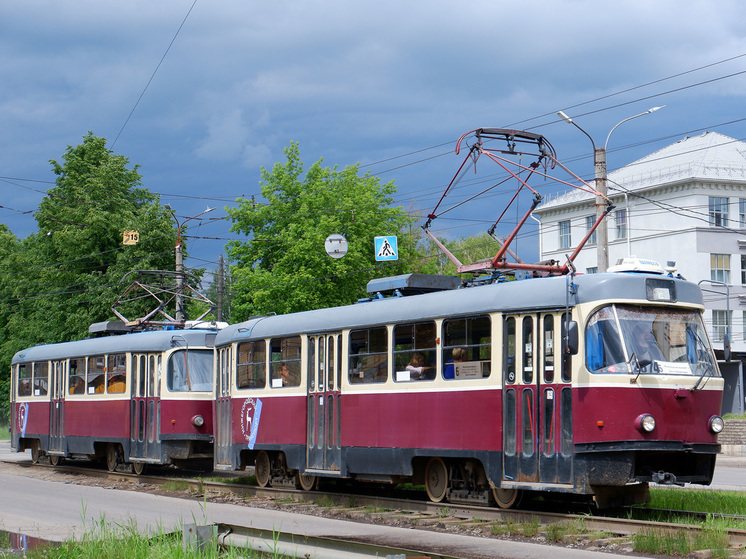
(323,446)
(223,419)
(57,411)
(537,397)
(145,407)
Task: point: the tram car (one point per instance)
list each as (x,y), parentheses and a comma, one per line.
(590,385)
(137,398)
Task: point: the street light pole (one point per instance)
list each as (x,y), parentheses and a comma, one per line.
(180,315)
(599,164)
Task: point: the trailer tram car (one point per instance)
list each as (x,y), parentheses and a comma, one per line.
(481,393)
(141,398)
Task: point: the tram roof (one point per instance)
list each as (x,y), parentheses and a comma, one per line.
(148,341)
(514,296)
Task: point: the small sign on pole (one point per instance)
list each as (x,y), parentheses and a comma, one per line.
(387,248)
(130,237)
(336,245)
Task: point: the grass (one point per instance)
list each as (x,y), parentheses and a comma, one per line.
(4,432)
(711,502)
(175,485)
(107,541)
(734,416)
(682,542)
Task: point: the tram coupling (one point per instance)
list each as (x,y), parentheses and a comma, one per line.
(665,478)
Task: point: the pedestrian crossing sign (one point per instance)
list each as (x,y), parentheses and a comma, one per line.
(386,248)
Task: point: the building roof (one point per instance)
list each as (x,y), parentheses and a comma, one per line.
(709,156)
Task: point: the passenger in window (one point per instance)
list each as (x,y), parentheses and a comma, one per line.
(289,378)
(418,368)
(24,388)
(645,346)
(77,386)
(458,354)
(117,384)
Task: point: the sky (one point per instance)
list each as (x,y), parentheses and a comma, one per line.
(203,94)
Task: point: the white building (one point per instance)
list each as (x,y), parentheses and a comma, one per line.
(685,203)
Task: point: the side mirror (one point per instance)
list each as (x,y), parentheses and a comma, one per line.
(571,337)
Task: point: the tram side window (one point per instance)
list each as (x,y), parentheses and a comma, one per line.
(549,348)
(285,361)
(190,370)
(510,349)
(251,365)
(466,347)
(528,349)
(96,374)
(116,375)
(566,355)
(414,351)
(23,379)
(604,350)
(41,378)
(369,355)
(76,381)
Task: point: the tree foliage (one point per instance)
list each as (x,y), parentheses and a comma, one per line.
(60,279)
(469,250)
(282,266)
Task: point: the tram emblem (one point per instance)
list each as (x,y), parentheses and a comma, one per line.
(22,418)
(251,411)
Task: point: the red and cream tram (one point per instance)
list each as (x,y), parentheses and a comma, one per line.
(140,398)
(590,384)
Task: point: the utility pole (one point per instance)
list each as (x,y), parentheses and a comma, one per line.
(220,288)
(180,314)
(599,164)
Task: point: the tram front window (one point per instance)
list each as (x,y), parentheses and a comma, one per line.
(190,371)
(626,338)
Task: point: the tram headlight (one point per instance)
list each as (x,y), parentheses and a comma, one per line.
(645,423)
(716,424)
(198,421)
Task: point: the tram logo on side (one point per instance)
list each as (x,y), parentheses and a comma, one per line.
(22,418)
(251,411)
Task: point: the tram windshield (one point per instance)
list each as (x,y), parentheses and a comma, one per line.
(631,339)
(190,371)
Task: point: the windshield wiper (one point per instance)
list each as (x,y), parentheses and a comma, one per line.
(643,361)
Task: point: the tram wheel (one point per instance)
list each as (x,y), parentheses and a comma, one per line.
(139,468)
(55,459)
(35,451)
(307,482)
(506,498)
(262,469)
(436,479)
(112,457)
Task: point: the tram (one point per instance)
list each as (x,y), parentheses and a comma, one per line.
(592,385)
(137,398)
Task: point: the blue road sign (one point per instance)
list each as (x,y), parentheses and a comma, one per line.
(387,248)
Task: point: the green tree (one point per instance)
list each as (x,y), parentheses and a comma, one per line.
(469,250)
(282,267)
(59,280)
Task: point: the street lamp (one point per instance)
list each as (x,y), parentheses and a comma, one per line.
(599,163)
(180,260)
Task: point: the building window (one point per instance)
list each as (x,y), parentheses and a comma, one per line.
(621,224)
(589,221)
(564,234)
(720,268)
(592,270)
(720,323)
(718,212)
(743,269)
(742,213)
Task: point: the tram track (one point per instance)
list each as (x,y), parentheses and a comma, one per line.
(579,528)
